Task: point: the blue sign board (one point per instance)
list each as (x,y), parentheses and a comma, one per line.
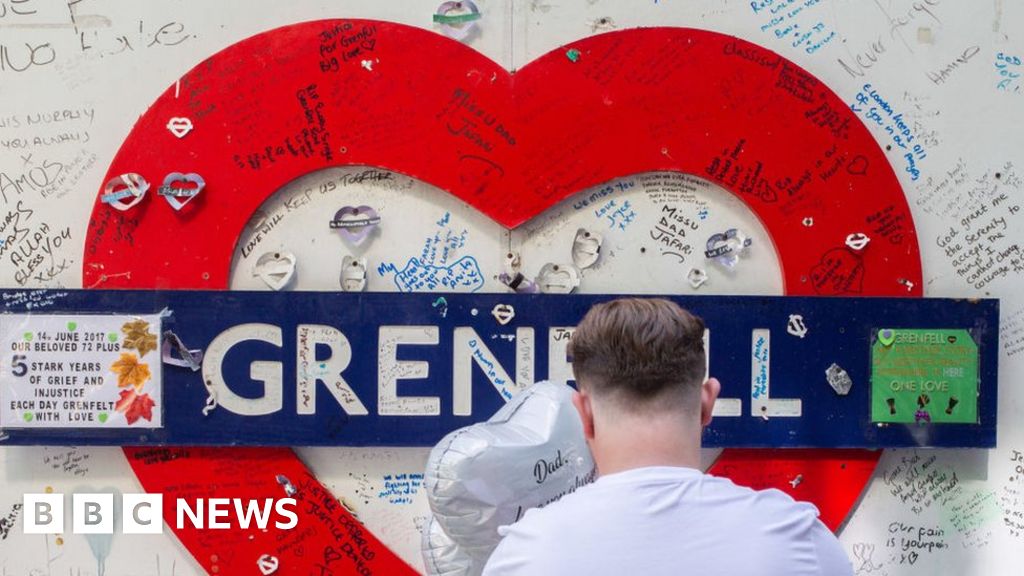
(343,369)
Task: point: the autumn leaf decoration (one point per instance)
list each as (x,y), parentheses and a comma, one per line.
(135,405)
(138,337)
(133,375)
(130,372)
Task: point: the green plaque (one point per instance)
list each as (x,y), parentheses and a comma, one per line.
(925,376)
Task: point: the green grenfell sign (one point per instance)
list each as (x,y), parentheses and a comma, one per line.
(925,376)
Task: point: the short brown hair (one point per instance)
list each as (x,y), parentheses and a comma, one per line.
(639,352)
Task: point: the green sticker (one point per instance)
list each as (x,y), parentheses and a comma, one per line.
(457,18)
(924,376)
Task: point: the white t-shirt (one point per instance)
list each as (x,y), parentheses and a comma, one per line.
(663,520)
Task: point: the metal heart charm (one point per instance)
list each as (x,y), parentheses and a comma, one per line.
(726,248)
(857,241)
(696,277)
(355,223)
(559,278)
(276,269)
(518,283)
(178,186)
(180,127)
(586,248)
(353,274)
(457,26)
(131,187)
(267,564)
(191,359)
(503,313)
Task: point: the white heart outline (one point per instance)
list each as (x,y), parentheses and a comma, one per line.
(180,126)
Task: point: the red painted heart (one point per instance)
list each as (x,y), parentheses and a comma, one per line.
(510,145)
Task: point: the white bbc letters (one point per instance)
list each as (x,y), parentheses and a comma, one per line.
(142,513)
(44,513)
(92,513)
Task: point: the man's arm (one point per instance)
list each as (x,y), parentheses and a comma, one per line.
(832,559)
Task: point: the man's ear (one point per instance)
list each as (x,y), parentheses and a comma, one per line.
(581,400)
(708,394)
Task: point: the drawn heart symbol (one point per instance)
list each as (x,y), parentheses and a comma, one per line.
(886,337)
(101,543)
(554,133)
(103,417)
(177,186)
(839,272)
(180,127)
(28,336)
(858,166)
(267,564)
(72,326)
(276,269)
(130,187)
(28,416)
(355,223)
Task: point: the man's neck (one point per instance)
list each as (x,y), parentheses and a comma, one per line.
(630,442)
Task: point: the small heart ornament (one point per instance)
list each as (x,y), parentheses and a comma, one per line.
(267,564)
(180,189)
(857,241)
(887,337)
(457,26)
(353,274)
(355,223)
(503,313)
(180,127)
(125,191)
(559,278)
(586,248)
(276,269)
(725,248)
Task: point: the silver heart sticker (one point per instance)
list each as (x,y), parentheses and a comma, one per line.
(355,223)
(173,191)
(125,186)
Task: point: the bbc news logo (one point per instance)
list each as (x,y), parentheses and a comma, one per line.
(143,513)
